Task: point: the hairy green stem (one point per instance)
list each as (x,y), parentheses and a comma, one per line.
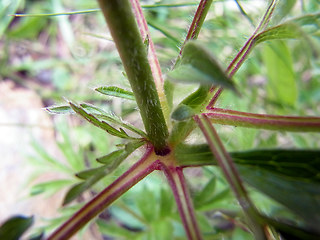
(133,53)
(197,21)
(152,57)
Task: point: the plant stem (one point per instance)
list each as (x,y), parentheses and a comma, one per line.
(228,168)
(133,53)
(264,121)
(197,21)
(152,57)
(182,196)
(137,172)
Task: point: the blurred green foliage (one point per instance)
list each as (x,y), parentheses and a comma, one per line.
(69,55)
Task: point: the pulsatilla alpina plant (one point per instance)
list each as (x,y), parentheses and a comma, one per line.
(290,177)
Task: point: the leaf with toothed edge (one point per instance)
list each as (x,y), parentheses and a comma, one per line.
(91,176)
(95,113)
(101,124)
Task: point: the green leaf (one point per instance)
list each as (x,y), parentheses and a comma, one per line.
(74,192)
(289,231)
(92,109)
(166,204)
(118,121)
(60,110)
(49,187)
(182,113)
(284,31)
(86,174)
(301,165)
(13,228)
(281,86)
(301,197)
(110,117)
(297,164)
(101,124)
(28,28)
(309,19)
(7,8)
(291,177)
(111,229)
(206,194)
(120,155)
(197,65)
(116,92)
(93,175)
(163,230)
(146,203)
(195,99)
(111,157)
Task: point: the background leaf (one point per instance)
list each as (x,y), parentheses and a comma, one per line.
(301,197)
(281,85)
(7,8)
(13,228)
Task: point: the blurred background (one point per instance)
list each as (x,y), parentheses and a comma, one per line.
(46,61)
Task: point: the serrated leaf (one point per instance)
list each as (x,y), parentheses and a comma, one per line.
(98,117)
(60,110)
(101,124)
(116,92)
(92,109)
(197,65)
(14,227)
(92,176)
